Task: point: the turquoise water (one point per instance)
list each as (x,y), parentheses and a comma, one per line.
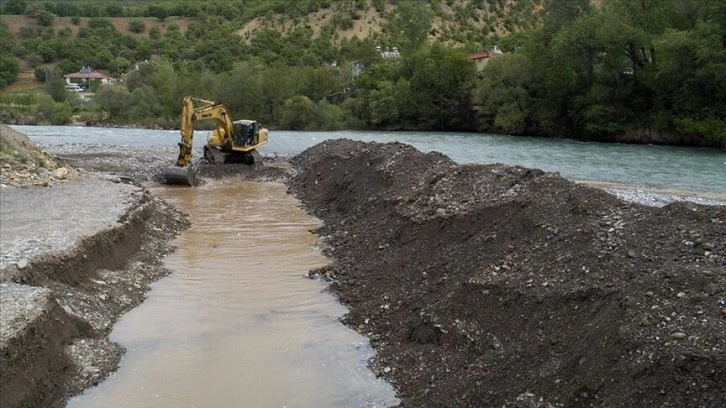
(664,167)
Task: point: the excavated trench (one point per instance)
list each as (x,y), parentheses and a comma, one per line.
(237,323)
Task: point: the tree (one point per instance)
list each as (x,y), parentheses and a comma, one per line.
(158,11)
(561,13)
(115,100)
(691,76)
(440,86)
(55,86)
(9,68)
(55,113)
(7,41)
(114,10)
(40,74)
(410,26)
(14,7)
(297,112)
(118,65)
(45,18)
(503,94)
(136,25)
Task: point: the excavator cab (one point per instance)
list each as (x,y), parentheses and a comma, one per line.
(240,134)
(245,133)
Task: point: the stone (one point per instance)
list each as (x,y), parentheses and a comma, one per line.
(61,173)
(678,335)
(22,264)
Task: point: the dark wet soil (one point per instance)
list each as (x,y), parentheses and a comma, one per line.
(489,285)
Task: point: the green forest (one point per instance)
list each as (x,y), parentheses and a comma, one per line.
(644,71)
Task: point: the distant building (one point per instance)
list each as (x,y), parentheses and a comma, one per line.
(481,59)
(388,53)
(86,75)
(357,68)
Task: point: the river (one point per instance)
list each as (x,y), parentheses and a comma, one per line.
(685,169)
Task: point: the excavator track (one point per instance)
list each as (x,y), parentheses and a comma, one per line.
(213,155)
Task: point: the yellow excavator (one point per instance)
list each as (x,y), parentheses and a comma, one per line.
(229,141)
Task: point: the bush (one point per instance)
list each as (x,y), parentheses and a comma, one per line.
(55,113)
(39,74)
(55,86)
(327,117)
(296,113)
(34,60)
(9,67)
(14,7)
(45,18)
(118,65)
(28,31)
(136,26)
(65,32)
(75,20)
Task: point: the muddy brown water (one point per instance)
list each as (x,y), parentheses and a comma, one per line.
(237,324)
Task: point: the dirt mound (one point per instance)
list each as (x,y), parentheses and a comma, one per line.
(491,285)
(22,163)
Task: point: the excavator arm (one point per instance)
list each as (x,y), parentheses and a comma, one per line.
(190,114)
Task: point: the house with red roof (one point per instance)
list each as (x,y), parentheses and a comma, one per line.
(481,58)
(86,75)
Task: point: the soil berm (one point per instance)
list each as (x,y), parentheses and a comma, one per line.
(491,285)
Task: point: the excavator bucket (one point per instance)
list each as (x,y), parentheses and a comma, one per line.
(181,175)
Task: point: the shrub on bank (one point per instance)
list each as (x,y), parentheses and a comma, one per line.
(54,113)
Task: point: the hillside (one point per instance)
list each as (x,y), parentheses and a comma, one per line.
(455,22)
(41,38)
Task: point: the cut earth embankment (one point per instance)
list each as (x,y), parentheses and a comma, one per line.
(74,257)
(492,285)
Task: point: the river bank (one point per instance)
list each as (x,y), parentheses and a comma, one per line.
(425,261)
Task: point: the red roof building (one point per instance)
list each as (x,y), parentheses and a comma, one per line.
(85,75)
(481,58)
